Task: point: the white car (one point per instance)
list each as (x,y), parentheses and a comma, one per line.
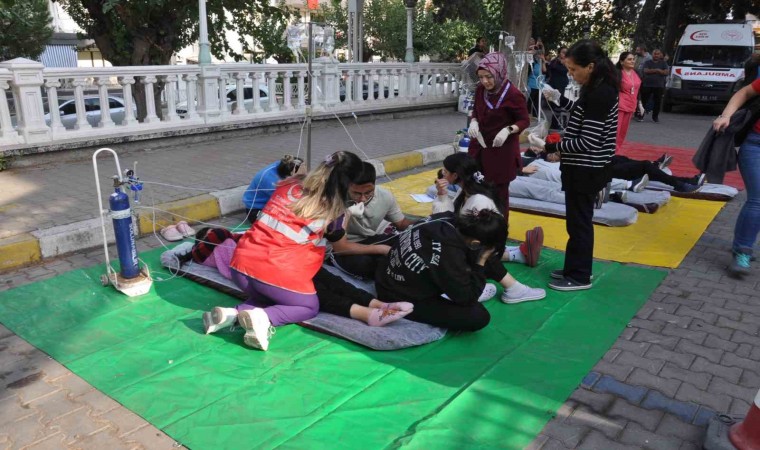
(68,113)
(232,99)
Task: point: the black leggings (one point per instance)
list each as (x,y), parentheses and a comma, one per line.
(631,169)
(337,295)
(439,312)
(362,265)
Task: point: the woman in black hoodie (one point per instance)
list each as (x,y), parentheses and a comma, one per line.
(444,255)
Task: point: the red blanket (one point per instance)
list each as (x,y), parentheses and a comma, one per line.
(681,165)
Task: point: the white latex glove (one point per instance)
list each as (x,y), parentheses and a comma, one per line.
(641,109)
(501,137)
(551,94)
(481,141)
(536,142)
(474,129)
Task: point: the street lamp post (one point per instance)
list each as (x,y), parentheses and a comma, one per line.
(204,51)
(410,5)
(209,104)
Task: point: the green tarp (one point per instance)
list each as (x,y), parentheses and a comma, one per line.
(492,389)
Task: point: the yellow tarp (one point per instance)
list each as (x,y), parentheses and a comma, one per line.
(661,239)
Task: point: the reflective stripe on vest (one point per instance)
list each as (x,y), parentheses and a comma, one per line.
(299,237)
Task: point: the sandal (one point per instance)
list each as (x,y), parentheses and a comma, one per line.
(185,229)
(171,233)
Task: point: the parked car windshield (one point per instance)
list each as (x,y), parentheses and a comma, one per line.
(712,56)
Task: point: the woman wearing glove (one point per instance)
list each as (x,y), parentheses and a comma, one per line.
(499,115)
(629,94)
(586,149)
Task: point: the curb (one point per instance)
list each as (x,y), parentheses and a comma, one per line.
(29,248)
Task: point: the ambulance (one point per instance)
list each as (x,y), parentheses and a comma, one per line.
(708,65)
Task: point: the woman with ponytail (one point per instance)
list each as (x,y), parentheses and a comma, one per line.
(277,258)
(586,151)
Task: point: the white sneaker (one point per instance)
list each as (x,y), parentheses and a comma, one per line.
(258,328)
(488,292)
(219,318)
(526,294)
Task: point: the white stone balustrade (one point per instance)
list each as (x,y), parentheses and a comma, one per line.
(57,104)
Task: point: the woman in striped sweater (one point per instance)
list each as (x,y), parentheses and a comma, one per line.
(586,149)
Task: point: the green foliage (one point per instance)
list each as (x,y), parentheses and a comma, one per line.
(385,30)
(560,23)
(145,32)
(24,28)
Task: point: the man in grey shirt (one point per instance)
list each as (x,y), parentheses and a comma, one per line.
(653,83)
(372,209)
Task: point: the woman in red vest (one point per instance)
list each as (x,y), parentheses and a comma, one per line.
(276,259)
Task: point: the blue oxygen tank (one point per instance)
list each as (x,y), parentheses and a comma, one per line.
(464,142)
(122,228)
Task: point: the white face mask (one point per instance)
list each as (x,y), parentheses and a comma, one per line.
(356,210)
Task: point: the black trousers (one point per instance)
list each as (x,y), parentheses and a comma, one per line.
(533,104)
(444,313)
(656,94)
(362,265)
(336,295)
(579,252)
(631,169)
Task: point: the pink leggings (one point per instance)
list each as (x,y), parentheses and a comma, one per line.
(281,305)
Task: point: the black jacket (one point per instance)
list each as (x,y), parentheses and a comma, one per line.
(430,259)
(716,154)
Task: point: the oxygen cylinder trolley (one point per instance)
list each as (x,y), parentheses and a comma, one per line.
(132,279)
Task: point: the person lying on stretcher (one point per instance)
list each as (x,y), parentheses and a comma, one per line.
(214,248)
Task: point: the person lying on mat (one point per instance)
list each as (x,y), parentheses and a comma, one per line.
(276,259)
(265,181)
(627,174)
(373,209)
(214,248)
(447,255)
(475,195)
(545,189)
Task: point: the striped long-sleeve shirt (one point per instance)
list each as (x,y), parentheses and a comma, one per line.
(590,136)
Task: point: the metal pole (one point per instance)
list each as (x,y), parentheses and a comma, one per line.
(204,52)
(409,57)
(309,102)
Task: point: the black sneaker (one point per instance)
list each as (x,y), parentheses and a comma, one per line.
(619,197)
(699,180)
(639,118)
(664,160)
(686,187)
(655,120)
(600,196)
(559,274)
(568,284)
(639,184)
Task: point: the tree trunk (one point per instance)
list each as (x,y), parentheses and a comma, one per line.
(644,29)
(672,29)
(517,18)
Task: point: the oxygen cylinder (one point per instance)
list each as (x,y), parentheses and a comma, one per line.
(122,228)
(464,143)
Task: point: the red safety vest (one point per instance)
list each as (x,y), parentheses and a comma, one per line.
(282,249)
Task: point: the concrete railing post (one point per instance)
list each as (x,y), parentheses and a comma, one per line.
(26,82)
